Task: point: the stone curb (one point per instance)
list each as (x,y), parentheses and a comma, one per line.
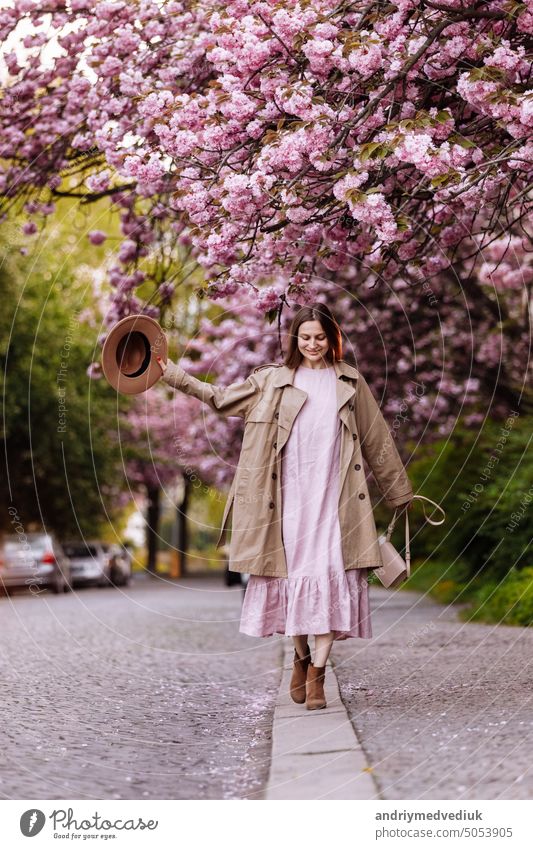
(315,753)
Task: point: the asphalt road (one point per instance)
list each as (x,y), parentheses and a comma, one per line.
(151,692)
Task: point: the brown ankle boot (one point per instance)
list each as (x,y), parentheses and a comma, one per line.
(299,675)
(314,686)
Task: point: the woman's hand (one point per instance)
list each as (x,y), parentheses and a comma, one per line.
(162,364)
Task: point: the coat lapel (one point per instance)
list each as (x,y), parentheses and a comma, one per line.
(292,400)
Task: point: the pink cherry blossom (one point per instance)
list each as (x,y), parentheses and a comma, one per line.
(96,237)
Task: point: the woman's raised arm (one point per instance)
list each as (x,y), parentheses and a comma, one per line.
(234,400)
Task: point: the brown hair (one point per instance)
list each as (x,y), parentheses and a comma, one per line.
(314,312)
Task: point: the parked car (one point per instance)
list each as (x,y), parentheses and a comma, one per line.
(232,579)
(34,559)
(121,565)
(98,563)
(90,562)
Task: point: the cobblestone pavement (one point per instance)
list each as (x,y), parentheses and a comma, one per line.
(148,692)
(443,709)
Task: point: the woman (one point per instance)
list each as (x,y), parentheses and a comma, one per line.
(310,420)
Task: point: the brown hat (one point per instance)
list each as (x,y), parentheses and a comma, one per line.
(129,352)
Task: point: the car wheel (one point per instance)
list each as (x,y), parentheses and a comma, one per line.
(231,579)
(121,579)
(58,586)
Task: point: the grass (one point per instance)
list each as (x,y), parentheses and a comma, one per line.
(507,602)
(510,602)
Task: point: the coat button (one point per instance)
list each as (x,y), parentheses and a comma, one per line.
(361,495)
(354,435)
(275,445)
(271,504)
(350,406)
(276,415)
(357,467)
(274,475)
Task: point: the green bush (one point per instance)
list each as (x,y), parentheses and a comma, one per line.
(508,603)
(447,582)
(483,480)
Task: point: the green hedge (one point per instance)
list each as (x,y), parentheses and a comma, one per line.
(509,602)
(483,479)
(481,555)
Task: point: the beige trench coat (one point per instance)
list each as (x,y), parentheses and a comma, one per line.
(269,403)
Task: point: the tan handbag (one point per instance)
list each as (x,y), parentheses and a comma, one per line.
(395,569)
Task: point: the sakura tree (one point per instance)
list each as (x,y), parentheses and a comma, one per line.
(279,140)
(294,145)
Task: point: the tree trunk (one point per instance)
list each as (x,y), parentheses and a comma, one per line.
(152,527)
(182,542)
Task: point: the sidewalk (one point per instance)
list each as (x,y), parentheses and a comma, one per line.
(443,708)
(315,753)
(432,708)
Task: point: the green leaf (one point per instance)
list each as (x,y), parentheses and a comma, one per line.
(354,195)
(460,140)
(372,150)
(439,181)
(402,222)
(489,73)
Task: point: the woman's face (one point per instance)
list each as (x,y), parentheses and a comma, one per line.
(312,342)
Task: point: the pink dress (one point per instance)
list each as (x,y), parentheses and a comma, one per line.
(318,595)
